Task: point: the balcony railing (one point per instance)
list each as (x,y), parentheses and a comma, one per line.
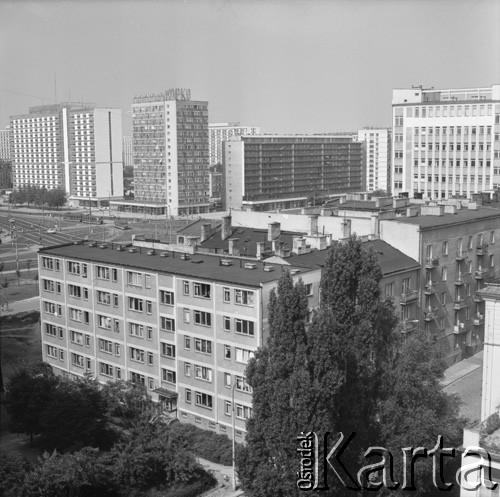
(460,303)
(430,314)
(481,249)
(431,262)
(459,280)
(408,297)
(480,273)
(479,319)
(478,298)
(430,288)
(460,255)
(460,328)
(409,325)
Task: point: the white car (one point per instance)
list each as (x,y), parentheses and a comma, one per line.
(51,231)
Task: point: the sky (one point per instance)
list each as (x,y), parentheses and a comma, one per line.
(294,66)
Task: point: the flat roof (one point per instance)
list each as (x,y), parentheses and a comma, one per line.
(202,266)
(462,216)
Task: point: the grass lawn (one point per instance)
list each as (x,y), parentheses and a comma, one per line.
(26,289)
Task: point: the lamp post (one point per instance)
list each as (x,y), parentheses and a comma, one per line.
(234,436)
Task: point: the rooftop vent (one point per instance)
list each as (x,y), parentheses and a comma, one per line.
(185,257)
(197,261)
(132,250)
(150,252)
(226,262)
(119,248)
(93,244)
(250,265)
(268,268)
(294,271)
(164,254)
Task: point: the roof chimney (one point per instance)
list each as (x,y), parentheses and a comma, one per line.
(206,231)
(273,231)
(226,227)
(279,249)
(313,224)
(234,248)
(260,248)
(346,228)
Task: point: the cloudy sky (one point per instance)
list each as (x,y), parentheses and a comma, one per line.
(288,66)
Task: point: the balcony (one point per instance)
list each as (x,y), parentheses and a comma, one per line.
(431,262)
(460,328)
(409,297)
(460,280)
(430,314)
(482,249)
(460,255)
(479,319)
(480,273)
(430,288)
(409,325)
(459,304)
(478,298)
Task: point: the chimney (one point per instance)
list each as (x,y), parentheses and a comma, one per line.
(226,227)
(206,231)
(313,225)
(273,231)
(346,228)
(260,249)
(234,249)
(193,240)
(279,249)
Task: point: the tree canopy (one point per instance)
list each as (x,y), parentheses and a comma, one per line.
(31,194)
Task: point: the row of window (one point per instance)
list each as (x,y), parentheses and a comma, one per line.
(206,400)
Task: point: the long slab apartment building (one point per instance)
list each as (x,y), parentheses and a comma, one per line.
(185,326)
(73,146)
(268,172)
(446,142)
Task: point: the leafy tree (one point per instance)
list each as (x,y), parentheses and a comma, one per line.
(75,417)
(29,391)
(379,193)
(275,375)
(56,197)
(81,474)
(13,469)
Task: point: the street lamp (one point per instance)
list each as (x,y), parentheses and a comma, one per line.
(234,436)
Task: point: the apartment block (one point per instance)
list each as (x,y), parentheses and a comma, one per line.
(128,157)
(72,146)
(221,132)
(183,325)
(445,142)
(274,172)
(378,158)
(5,143)
(170,149)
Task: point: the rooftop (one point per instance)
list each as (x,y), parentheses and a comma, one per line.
(194,229)
(203,266)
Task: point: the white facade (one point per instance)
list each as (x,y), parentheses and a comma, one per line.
(378,158)
(5,143)
(221,132)
(445,142)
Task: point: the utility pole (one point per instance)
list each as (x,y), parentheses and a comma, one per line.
(234,437)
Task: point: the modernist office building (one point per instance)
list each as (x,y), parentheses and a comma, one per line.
(378,158)
(270,172)
(170,147)
(221,132)
(77,147)
(446,142)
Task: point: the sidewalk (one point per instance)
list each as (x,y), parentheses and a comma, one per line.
(463,368)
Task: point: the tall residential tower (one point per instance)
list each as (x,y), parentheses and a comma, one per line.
(221,132)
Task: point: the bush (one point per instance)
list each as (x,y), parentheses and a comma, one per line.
(204,482)
(215,447)
(13,470)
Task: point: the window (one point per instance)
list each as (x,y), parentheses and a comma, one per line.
(203,318)
(134,279)
(115,300)
(102,272)
(187,369)
(243,355)
(166,298)
(150,358)
(149,331)
(389,290)
(227,294)
(204,400)
(76,337)
(136,354)
(116,326)
(77,360)
(117,349)
(103,297)
(147,280)
(309,289)
(75,291)
(243,412)
(52,351)
(227,408)
(137,378)
(405,286)
(202,345)
(188,395)
(202,290)
(492,237)
(149,307)
(492,260)
(242,385)
(468,289)
(48,285)
(227,351)
(114,273)
(187,343)
(187,315)
(135,304)
(185,286)
(73,267)
(243,297)
(136,330)
(470,242)
(168,350)
(244,327)
(168,375)
(167,324)
(104,322)
(443,298)
(51,308)
(105,346)
(444,273)
(445,248)
(203,373)
(227,323)
(227,380)
(75,314)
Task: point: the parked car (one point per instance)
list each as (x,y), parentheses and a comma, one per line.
(51,231)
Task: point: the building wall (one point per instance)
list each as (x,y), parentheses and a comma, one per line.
(5,143)
(446,142)
(233,175)
(221,132)
(378,158)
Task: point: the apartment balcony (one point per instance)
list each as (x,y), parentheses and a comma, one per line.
(460,279)
(478,298)
(430,288)
(482,249)
(480,273)
(409,297)
(409,325)
(460,255)
(431,262)
(460,328)
(459,304)
(430,314)
(479,319)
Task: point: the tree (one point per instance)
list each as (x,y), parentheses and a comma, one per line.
(75,417)
(56,197)
(29,262)
(379,193)
(29,392)
(275,375)
(13,470)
